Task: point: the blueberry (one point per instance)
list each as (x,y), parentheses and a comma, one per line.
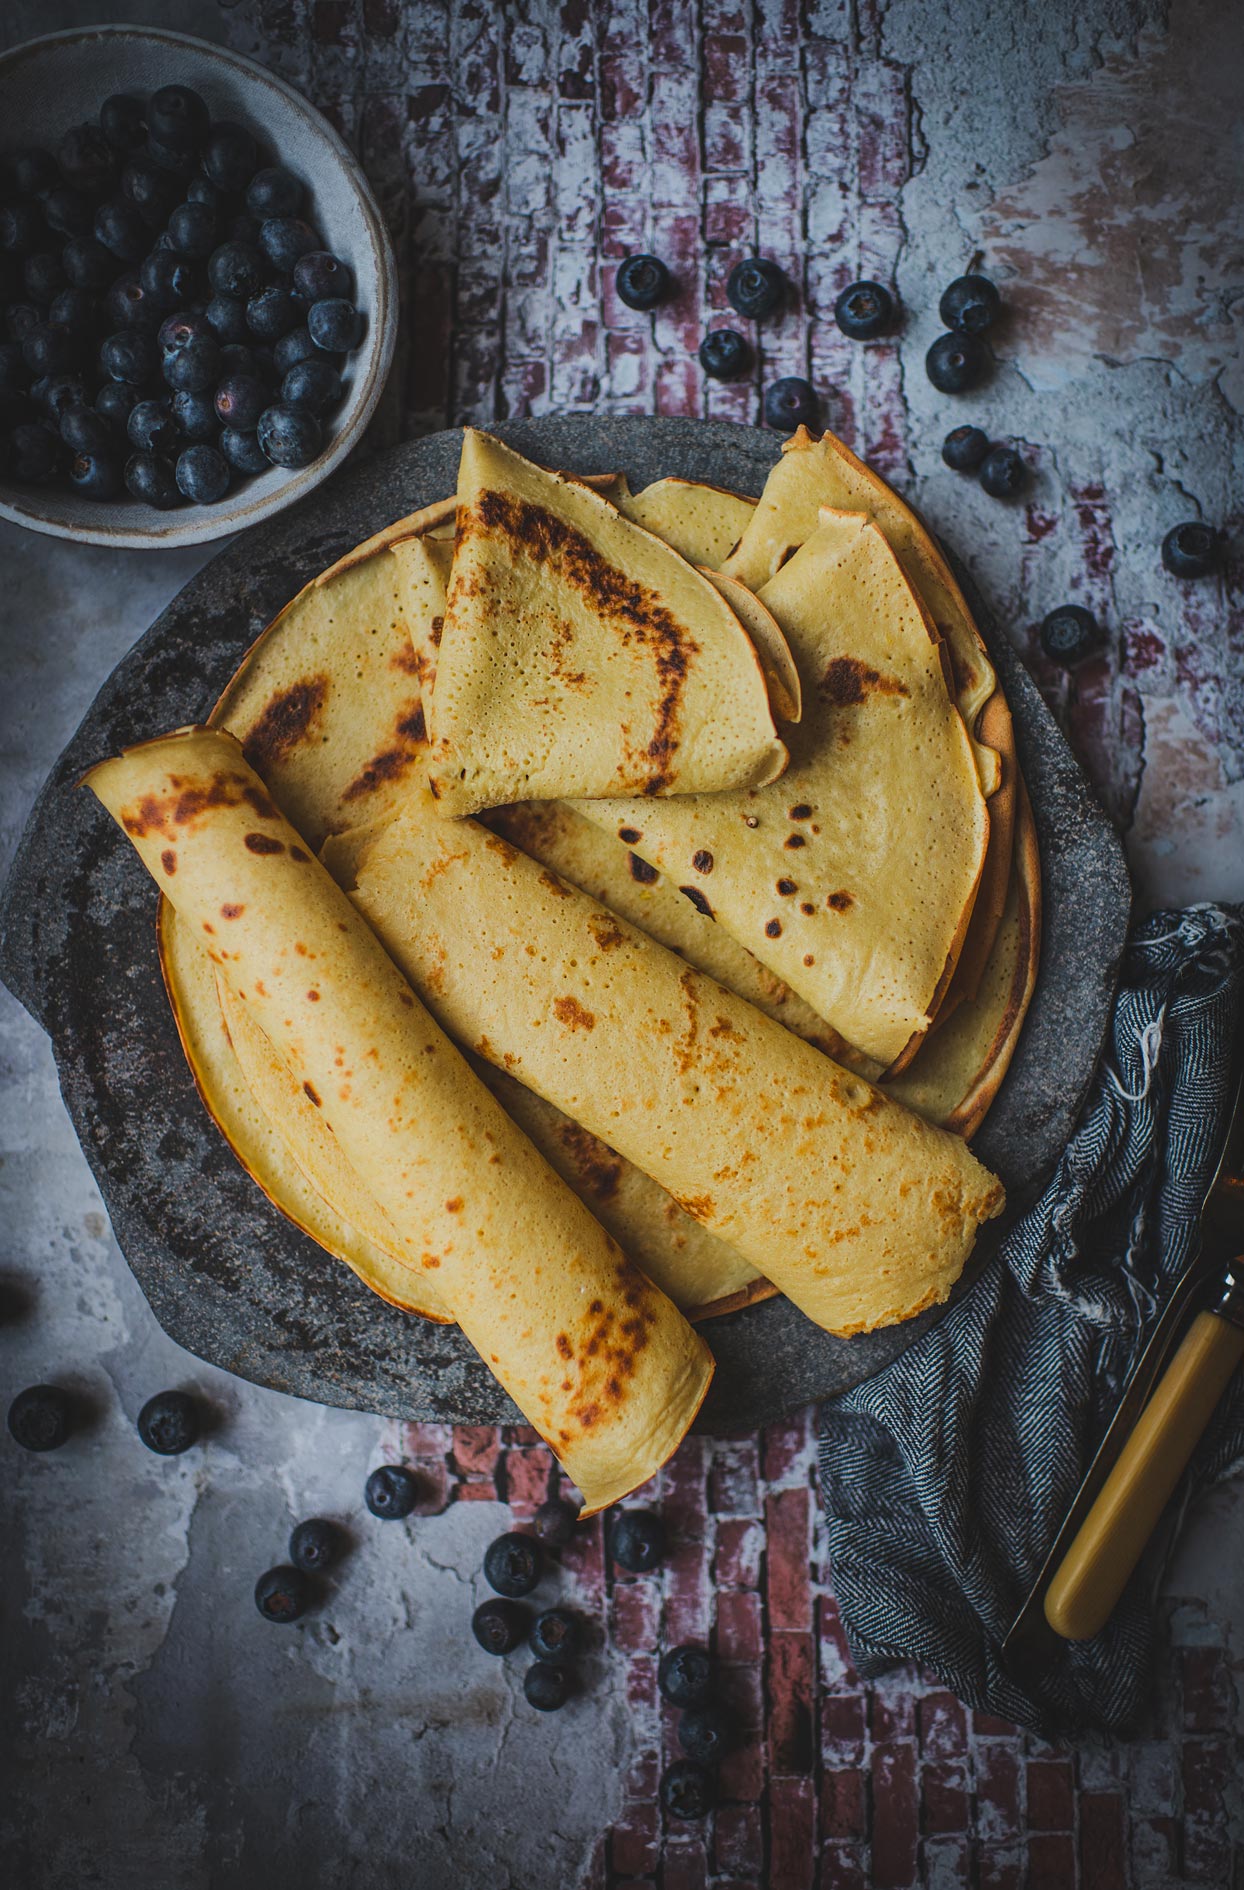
(685,1675)
(499,1626)
(14,377)
(49,349)
(122,121)
(75,309)
(167,278)
(964,448)
(88,264)
(128,305)
(391,1491)
(40,1418)
(284,240)
(227,319)
(546,1687)
(687,1790)
(83,430)
(642,281)
(312,384)
(87,160)
(955,362)
(192,227)
(864,310)
(791,402)
(151,480)
(43,276)
(1002,473)
(272,313)
(755,287)
(192,369)
(319,276)
(151,191)
(637,1540)
(115,401)
(34,453)
(128,356)
(20,318)
(244,229)
(68,211)
(289,436)
(195,414)
(725,354)
(229,155)
(970,304)
(240,399)
(554,1522)
(1069,634)
(1191,550)
(169,1423)
(315,1545)
(176,159)
(242,450)
(705,1733)
(179,330)
(57,393)
(282,1595)
(21,228)
(238,358)
(32,170)
(202,475)
(274,192)
(151,428)
(512,1564)
(95,475)
(555,1636)
(296,346)
(335,325)
(120,228)
(177,116)
(237,269)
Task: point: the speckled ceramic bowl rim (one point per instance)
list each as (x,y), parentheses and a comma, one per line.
(207,523)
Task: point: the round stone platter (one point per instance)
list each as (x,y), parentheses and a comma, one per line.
(226,1274)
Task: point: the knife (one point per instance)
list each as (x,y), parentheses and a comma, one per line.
(1173,1391)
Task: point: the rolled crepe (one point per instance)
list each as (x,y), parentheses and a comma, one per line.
(858,1211)
(601,1363)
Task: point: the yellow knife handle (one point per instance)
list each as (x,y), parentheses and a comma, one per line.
(1095,1569)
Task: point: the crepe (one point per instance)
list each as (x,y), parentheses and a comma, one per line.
(857,1210)
(703,522)
(600,1362)
(854,877)
(581,654)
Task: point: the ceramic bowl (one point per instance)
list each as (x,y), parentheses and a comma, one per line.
(49,84)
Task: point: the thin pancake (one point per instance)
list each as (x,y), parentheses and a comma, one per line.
(703,522)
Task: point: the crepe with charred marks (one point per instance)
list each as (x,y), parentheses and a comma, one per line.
(857,1210)
(581,654)
(601,1363)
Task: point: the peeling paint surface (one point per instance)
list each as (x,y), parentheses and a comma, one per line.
(155,1731)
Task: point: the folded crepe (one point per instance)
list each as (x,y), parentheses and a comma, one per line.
(601,1363)
(857,1210)
(581,654)
(853,879)
(704,523)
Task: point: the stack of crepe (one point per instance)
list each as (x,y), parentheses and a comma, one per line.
(708,1002)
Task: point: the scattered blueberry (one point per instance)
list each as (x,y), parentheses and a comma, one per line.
(122,121)
(1002,473)
(637,1540)
(864,310)
(964,448)
(755,287)
(229,155)
(177,116)
(1191,550)
(705,1733)
(169,1423)
(282,1595)
(195,414)
(335,325)
(227,319)
(289,436)
(685,1675)
(546,1687)
(554,1522)
(499,1626)
(120,229)
(1069,634)
(312,384)
(791,402)
(391,1491)
(274,192)
(642,282)
(955,363)
(971,304)
(151,481)
(40,1418)
(192,227)
(242,450)
(193,368)
(319,276)
(686,1789)
(202,474)
(555,1636)
(285,240)
(512,1564)
(150,428)
(83,430)
(315,1545)
(237,269)
(128,356)
(725,354)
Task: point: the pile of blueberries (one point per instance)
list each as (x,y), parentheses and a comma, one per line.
(172,321)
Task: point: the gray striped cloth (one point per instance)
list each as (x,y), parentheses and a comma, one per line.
(946,1477)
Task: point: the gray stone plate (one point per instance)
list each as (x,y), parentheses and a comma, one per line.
(226,1274)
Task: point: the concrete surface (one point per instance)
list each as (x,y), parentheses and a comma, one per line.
(157,1732)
